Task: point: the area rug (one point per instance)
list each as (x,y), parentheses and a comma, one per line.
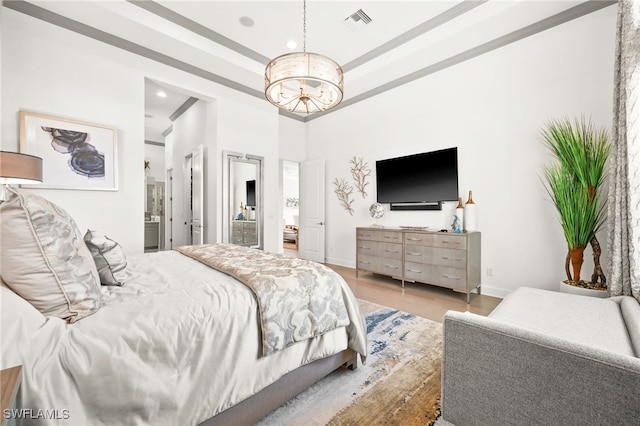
(398,385)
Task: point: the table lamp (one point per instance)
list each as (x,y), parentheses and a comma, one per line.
(18,168)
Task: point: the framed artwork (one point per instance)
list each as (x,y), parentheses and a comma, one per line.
(75,155)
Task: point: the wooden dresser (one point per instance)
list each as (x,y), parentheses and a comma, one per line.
(444,259)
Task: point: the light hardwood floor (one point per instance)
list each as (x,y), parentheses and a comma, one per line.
(427,301)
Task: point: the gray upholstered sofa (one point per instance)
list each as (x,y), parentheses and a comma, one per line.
(544,357)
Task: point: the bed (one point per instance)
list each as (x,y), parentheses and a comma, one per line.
(178,342)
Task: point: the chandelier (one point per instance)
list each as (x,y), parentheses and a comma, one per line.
(303,82)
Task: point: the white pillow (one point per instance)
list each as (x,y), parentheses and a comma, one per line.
(108,256)
(44,259)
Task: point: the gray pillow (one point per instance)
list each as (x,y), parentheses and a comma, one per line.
(43,258)
(108,256)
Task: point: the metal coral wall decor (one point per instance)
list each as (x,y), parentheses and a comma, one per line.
(343,191)
(360,170)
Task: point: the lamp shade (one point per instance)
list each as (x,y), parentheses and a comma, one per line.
(19,168)
(304,82)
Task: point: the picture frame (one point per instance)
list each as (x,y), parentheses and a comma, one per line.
(75,154)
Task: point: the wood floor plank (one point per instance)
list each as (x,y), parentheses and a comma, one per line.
(427,301)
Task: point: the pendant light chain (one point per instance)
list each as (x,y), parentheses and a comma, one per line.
(302,82)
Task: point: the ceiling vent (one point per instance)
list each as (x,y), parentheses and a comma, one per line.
(357,20)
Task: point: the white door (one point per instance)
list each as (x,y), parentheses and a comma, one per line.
(195,195)
(311,238)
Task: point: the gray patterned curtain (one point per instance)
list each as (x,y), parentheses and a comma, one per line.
(624,192)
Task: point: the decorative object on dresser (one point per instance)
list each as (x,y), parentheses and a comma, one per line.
(470,218)
(458,218)
(446,260)
(376,210)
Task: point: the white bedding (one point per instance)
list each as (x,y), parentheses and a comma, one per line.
(177,344)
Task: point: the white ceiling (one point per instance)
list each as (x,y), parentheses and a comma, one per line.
(405,39)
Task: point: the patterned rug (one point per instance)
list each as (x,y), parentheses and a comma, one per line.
(399,385)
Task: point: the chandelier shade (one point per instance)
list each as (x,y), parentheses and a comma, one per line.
(304,82)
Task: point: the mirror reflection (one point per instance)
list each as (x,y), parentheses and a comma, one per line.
(243,200)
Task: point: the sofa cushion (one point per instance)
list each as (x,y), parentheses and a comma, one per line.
(631,314)
(580,319)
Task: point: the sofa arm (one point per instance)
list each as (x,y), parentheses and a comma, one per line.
(495,373)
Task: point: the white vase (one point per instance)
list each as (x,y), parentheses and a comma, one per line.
(572,289)
(470,220)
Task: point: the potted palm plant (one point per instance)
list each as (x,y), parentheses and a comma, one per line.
(574,183)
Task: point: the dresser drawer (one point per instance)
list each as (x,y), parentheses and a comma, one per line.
(450,258)
(368,247)
(368,234)
(453,278)
(390,250)
(391,267)
(390,237)
(418,254)
(421,272)
(415,238)
(368,263)
(450,241)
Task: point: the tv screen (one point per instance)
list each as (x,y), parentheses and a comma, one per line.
(251,193)
(421,178)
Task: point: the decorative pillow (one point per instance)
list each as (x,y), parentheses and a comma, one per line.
(43,258)
(108,256)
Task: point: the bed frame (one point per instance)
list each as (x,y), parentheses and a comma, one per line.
(291,384)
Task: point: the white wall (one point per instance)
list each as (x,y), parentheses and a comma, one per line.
(106,85)
(43,71)
(492,108)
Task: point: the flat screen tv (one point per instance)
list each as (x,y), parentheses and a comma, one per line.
(251,193)
(418,182)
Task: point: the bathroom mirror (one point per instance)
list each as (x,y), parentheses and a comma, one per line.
(243,210)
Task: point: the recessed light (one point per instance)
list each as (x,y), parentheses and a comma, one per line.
(246,21)
(291,44)
(161,94)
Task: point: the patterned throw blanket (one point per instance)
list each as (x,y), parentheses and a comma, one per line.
(298,299)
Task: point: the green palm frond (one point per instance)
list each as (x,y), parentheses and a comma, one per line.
(574,182)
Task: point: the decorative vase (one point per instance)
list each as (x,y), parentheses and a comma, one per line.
(470,223)
(572,289)
(460,216)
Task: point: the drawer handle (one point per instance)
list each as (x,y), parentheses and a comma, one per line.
(413,270)
(414,239)
(458,259)
(365,262)
(414,254)
(389,251)
(391,267)
(365,248)
(449,276)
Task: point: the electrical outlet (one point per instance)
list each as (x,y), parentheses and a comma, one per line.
(489,272)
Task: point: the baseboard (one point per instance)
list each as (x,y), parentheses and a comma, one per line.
(340,262)
(494,291)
